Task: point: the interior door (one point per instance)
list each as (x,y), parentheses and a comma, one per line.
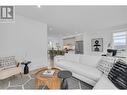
(79,47)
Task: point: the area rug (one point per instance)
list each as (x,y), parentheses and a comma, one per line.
(28,82)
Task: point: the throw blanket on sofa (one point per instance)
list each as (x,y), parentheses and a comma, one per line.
(118,74)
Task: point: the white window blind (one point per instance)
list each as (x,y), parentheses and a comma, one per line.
(119,40)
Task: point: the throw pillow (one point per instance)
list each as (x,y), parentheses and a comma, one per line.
(1,61)
(118,74)
(6,62)
(1,65)
(105,64)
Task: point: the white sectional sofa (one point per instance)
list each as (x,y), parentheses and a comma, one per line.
(84,68)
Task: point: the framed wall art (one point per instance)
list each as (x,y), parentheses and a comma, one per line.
(97,45)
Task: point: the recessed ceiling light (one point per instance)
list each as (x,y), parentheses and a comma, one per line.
(39,6)
(50,28)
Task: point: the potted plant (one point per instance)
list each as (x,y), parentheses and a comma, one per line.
(54,53)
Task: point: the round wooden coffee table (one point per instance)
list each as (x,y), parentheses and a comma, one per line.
(52,82)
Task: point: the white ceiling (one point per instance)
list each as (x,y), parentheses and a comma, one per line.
(67,20)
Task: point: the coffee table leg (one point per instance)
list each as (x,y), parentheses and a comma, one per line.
(36,84)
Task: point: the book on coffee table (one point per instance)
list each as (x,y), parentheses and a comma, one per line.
(48,73)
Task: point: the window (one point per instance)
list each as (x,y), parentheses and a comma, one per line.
(50,45)
(119,40)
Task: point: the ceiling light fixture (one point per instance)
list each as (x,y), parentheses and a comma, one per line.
(39,6)
(50,28)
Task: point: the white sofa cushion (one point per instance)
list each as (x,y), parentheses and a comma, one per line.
(81,69)
(58,58)
(104,83)
(9,72)
(1,68)
(10,66)
(89,60)
(105,64)
(72,57)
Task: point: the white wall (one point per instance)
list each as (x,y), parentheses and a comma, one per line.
(24,38)
(107,38)
(79,38)
(91,35)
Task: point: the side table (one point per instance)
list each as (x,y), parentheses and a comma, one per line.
(26,68)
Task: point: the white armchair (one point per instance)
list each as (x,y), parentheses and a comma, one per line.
(9,67)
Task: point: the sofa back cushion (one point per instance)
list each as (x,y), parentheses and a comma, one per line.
(118,74)
(7,62)
(89,60)
(105,64)
(72,57)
